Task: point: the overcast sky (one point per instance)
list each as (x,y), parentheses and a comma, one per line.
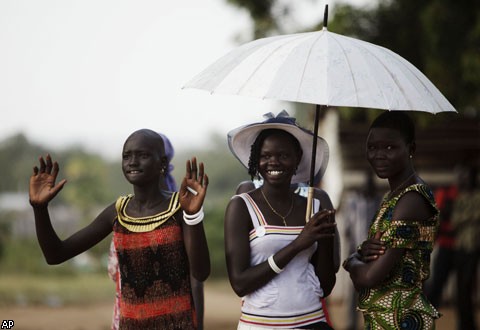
(91,72)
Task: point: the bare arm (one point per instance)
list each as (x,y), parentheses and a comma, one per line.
(365,274)
(197,251)
(42,190)
(56,250)
(194,235)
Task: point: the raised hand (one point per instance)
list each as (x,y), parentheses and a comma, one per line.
(193,188)
(42,188)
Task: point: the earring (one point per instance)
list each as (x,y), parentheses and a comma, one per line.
(411,156)
(162,171)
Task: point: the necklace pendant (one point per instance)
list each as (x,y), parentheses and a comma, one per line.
(274,211)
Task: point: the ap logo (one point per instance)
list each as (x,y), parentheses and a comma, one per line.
(7,324)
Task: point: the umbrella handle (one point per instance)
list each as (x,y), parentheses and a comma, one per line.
(309,203)
(312,164)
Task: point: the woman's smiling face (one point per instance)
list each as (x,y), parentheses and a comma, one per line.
(278,158)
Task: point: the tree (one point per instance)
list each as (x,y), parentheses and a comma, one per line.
(16,159)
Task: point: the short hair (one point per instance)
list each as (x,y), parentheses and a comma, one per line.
(397,120)
(257,144)
(155,137)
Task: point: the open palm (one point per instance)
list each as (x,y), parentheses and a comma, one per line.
(42,187)
(190,202)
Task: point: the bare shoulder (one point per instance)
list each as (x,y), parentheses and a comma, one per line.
(237,218)
(412,206)
(245,186)
(236,206)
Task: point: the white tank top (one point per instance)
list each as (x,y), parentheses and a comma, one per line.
(292,298)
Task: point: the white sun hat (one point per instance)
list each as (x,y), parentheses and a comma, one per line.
(241,139)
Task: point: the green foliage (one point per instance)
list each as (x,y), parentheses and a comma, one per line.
(23,256)
(88,173)
(213,224)
(17,157)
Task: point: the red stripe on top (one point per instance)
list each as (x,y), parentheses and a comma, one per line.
(156,308)
(257,211)
(144,240)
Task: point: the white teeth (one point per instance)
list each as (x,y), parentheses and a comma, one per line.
(275,172)
(134,172)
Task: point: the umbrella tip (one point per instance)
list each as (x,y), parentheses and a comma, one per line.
(325,16)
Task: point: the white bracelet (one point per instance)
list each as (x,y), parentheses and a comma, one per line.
(273,265)
(193,216)
(193,221)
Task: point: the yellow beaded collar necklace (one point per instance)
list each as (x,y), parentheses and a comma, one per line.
(145,224)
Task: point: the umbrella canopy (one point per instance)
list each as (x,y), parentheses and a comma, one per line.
(322,68)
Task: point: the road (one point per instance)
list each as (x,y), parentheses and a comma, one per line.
(221,313)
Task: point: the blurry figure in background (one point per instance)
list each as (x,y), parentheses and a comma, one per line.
(443,264)
(168,183)
(466,224)
(114,274)
(358,210)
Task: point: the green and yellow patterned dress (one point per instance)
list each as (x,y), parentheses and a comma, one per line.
(398,302)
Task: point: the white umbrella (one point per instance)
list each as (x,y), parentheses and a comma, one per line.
(322,68)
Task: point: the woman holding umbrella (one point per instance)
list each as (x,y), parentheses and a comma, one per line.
(279,265)
(390,267)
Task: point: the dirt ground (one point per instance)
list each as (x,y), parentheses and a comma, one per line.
(221,313)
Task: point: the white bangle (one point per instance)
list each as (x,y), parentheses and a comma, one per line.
(273,265)
(192,221)
(193,216)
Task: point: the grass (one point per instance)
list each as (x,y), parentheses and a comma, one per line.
(55,291)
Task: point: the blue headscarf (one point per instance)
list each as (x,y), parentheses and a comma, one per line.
(169,152)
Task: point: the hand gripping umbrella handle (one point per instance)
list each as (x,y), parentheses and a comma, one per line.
(312,164)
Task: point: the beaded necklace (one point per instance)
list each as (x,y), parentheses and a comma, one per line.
(145,224)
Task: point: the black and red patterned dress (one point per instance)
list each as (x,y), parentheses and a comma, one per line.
(154,271)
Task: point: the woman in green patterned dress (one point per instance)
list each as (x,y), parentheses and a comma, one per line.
(390,267)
